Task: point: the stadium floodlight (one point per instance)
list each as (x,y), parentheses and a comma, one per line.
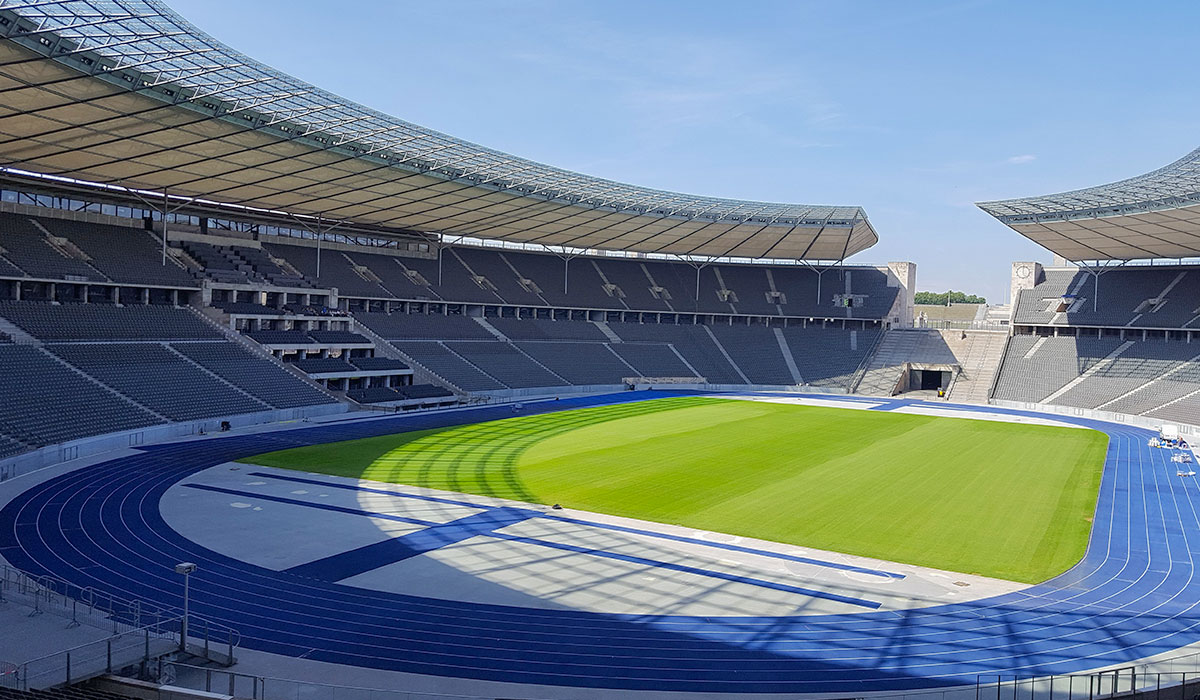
(186,569)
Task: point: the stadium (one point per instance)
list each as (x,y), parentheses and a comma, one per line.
(302,400)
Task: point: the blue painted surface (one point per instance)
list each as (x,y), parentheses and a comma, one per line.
(1133,595)
(394,549)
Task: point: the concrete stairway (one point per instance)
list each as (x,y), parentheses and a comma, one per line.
(887,364)
(979,356)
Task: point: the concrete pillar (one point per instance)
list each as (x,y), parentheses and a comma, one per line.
(1025,275)
(902,275)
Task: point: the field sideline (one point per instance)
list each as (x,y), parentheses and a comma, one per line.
(1006,500)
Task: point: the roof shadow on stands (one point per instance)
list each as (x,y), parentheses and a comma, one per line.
(1149,296)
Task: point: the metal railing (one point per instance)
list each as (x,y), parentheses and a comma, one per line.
(244,685)
(84,605)
(135,647)
(132,624)
(1163,680)
(950,324)
(1173,679)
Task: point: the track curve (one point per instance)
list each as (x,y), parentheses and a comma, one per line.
(1134,594)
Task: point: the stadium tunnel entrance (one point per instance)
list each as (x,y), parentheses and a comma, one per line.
(927,378)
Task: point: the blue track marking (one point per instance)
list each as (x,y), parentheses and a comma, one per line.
(373,556)
(308,504)
(1134,595)
(591,523)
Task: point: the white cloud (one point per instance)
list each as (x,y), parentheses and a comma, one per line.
(1021,160)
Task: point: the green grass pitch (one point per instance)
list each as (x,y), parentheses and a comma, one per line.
(1006,500)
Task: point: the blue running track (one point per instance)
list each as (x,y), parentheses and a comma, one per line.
(1134,594)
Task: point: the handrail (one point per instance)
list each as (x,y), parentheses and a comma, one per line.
(861,371)
(125,615)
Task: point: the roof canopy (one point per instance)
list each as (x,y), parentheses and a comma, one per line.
(1156,215)
(127,92)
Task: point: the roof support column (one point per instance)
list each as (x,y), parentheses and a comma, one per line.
(166,207)
(1095,271)
(441,245)
(318,232)
(566,258)
(698,267)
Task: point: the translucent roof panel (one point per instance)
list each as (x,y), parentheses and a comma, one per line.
(1152,215)
(128,92)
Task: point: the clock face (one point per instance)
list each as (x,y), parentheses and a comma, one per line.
(1023,271)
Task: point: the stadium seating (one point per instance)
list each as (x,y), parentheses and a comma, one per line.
(317,365)
(260,378)
(81,322)
(494,276)
(1156,296)
(652,360)
(537,329)
(1157,378)
(421,327)
(1034,367)
(424,391)
(280,337)
(451,367)
(756,351)
(336,337)
(106,368)
(579,363)
(829,357)
(27,248)
(400,393)
(266,269)
(376,364)
(219,264)
(126,255)
(506,363)
(692,342)
(157,362)
(161,380)
(46,402)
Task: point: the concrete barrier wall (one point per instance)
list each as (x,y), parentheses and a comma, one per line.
(86,447)
(1138,421)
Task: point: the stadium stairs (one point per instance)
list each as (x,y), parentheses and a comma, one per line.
(386,349)
(979,357)
(971,356)
(213,317)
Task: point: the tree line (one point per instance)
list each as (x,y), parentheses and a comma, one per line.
(947,298)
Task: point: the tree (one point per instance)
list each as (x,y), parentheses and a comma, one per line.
(947,298)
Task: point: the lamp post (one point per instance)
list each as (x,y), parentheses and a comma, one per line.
(186,568)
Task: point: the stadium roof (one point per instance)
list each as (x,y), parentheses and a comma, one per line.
(127,92)
(1156,215)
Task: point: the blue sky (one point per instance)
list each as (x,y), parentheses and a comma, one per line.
(913,110)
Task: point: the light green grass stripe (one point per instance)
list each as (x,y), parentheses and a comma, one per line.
(1006,500)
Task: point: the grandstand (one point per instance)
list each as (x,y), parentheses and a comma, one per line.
(192,242)
(187,309)
(1112,332)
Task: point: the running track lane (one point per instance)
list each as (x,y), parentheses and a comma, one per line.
(1133,595)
